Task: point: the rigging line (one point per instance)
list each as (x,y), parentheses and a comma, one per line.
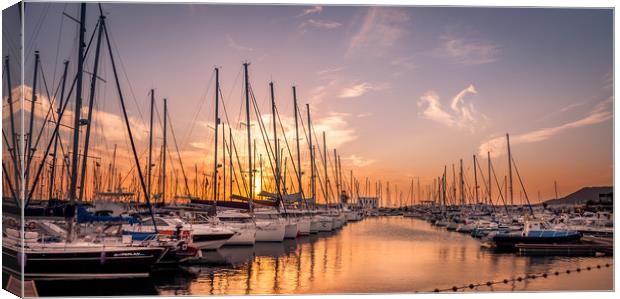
(262,129)
(324,163)
(120,58)
(201,103)
(234,173)
(62,20)
(501,195)
(6,175)
(44,124)
(12,49)
(484,180)
(288,148)
(37,29)
(232,142)
(522,186)
(174,138)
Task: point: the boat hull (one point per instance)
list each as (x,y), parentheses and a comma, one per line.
(210,241)
(507,241)
(270,232)
(92,264)
(290,231)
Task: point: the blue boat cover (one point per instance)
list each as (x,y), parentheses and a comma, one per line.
(84,216)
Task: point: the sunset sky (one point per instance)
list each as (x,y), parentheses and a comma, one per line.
(400,91)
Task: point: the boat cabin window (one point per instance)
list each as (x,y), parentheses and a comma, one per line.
(158,221)
(265,216)
(235,219)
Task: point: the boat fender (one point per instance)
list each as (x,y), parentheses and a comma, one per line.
(21,259)
(102,257)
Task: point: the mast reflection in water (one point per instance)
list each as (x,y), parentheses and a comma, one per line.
(376,255)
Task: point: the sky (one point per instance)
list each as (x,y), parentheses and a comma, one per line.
(401,92)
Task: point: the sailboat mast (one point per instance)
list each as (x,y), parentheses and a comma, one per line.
(217,124)
(295,112)
(91,101)
(475,179)
(489,170)
(164,151)
(29,149)
(312,165)
(326,183)
(56,136)
(224,161)
(149,168)
(248,126)
(76,122)
(337,176)
(275,140)
(509,170)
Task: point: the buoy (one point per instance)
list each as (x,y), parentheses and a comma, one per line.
(489,283)
(454,288)
(471,285)
(607,265)
(588,268)
(519,278)
(505,280)
(598,266)
(578,269)
(533,276)
(545,275)
(557,273)
(436,290)
(567,271)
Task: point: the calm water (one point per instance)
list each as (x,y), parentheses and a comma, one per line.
(375,255)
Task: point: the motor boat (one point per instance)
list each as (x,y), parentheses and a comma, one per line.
(535,232)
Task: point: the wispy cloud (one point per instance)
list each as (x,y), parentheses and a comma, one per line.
(358,161)
(364,115)
(311,10)
(468,49)
(406,62)
(233,44)
(329,71)
(460,115)
(497,145)
(380,28)
(322,24)
(360,89)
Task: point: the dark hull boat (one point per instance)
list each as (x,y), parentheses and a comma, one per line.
(77,262)
(507,241)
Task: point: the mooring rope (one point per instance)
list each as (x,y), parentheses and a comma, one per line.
(530,276)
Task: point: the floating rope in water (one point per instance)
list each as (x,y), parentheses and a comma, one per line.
(546,274)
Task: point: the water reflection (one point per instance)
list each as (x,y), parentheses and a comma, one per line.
(376,255)
(388,254)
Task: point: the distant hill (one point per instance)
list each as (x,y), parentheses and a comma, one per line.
(581,196)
